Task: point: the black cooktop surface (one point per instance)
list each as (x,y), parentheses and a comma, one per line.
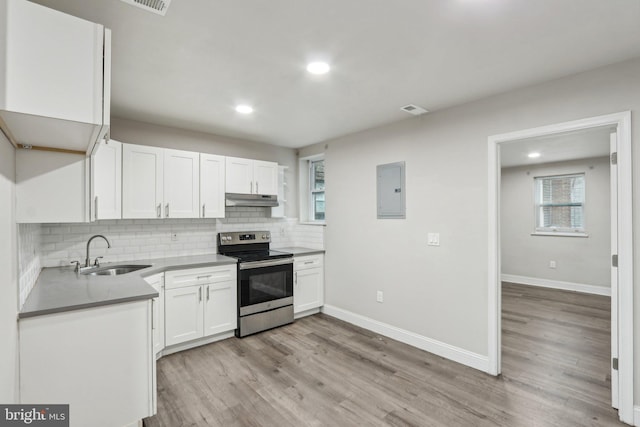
(261,255)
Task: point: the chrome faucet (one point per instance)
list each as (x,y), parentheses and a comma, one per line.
(87,262)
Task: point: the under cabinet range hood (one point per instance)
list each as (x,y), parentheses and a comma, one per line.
(252,200)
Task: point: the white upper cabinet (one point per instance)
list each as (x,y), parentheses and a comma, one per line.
(181,184)
(239,175)
(160,183)
(51,187)
(245,176)
(106,181)
(265,176)
(142,178)
(212,185)
(55,69)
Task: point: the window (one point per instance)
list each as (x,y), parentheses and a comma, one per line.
(316,184)
(560,203)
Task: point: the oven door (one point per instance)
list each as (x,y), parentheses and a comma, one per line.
(265,285)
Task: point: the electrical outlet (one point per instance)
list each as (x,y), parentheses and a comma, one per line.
(174,237)
(379,296)
(433,239)
(552,264)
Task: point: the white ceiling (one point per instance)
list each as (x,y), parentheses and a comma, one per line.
(575,145)
(191,67)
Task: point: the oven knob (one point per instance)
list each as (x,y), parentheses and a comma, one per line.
(264,236)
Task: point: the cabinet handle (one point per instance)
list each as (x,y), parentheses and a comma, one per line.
(207,293)
(295,278)
(203,211)
(96,208)
(153,315)
(199,294)
(308,262)
(251,187)
(166,211)
(204,277)
(159,210)
(257,191)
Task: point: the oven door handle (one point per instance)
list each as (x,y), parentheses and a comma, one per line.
(265,263)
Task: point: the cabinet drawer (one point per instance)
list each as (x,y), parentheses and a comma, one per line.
(308,261)
(199,276)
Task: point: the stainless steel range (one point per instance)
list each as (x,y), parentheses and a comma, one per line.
(265,281)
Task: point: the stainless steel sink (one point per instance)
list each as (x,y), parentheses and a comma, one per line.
(114,270)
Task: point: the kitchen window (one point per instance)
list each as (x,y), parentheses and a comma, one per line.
(559,204)
(311,189)
(316,196)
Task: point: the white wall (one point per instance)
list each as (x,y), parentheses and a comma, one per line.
(441,292)
(8,276)
(134,132)
(583,261)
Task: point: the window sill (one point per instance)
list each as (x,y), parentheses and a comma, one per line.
(559,234)
(322,223)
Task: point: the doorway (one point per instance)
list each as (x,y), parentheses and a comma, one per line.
(621,243)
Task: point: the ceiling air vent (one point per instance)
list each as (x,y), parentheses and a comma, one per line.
(414,109)
(156,6)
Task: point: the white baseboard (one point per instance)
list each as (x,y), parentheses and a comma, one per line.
(556,284)
(447,351)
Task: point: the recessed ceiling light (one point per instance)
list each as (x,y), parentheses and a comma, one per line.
(244,109)
(533,155)
(318,68)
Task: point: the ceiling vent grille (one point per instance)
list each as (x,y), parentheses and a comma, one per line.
(414,109)
(156,6)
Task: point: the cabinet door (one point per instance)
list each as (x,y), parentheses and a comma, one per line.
(183,315)
(181,184)
(106,181)
(265,177)
(212,186)
(51,187)
(157,281)
(142,181)
(308,290)
(239,175)
(52,63)
(220,310)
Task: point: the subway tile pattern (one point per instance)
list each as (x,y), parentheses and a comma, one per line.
(29,264)
(56,245)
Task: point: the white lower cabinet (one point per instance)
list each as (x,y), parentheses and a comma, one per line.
(98,360)
(308,283)
(199,303)
(157,303)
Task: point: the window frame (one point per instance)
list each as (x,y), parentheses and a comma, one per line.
(538,205)
(313,191)
(305,182)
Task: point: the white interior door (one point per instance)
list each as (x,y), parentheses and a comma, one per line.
(614,270)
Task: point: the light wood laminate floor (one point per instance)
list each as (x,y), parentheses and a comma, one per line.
(320,371)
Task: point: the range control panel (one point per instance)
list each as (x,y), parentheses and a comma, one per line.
(243,237)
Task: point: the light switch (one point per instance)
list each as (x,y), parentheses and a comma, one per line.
(433,239)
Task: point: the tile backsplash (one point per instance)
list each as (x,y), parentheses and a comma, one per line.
(55,245)
(29,262)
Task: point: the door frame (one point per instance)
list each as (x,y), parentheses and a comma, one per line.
(622,122)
